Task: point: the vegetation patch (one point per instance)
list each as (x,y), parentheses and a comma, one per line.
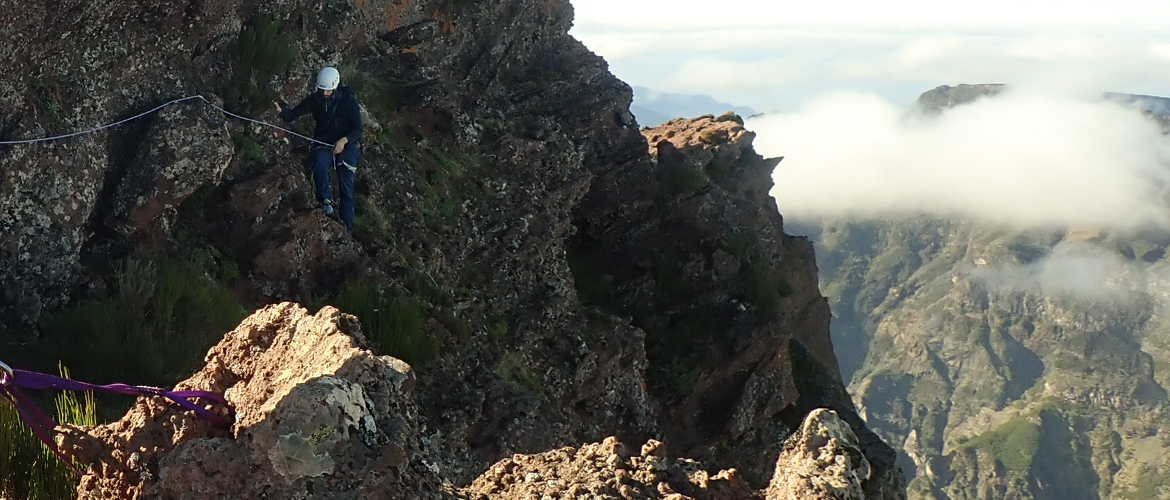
(595,285)
(381,94)
(765,285)
(1013,444)
(260,53)
(372,223)
(28,469)
(518,374)
(249,153)
(155,328)
(680,351)
(677,180)
(499,330)
(394,324)
(1150,483)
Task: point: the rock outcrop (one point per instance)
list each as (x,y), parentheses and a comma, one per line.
(317,415)
(184,149)
(944,97)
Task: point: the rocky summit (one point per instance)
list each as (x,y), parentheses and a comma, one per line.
(529,270)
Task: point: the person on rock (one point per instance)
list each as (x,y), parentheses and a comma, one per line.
(338,122)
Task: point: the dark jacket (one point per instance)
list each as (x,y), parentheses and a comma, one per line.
(336,116)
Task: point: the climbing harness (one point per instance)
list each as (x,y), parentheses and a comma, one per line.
(156,108)
(42,425)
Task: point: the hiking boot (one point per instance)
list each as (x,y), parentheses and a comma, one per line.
(329,208)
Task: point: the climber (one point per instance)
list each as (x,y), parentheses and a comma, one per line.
(339,122)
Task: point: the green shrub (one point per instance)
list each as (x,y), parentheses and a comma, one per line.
(394,324)
(676,180)
(260,53)
(449,180)
(766,286)
(381,94)
(28,469)
(154,330)
(518,374)
(248,151)
(498,330)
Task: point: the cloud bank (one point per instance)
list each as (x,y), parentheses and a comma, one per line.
(1025,159)
(888,14)
(894,48)
(1080,270)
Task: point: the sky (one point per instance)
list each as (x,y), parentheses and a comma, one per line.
(836,81)
(776,55)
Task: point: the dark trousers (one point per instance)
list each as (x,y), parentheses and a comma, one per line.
(346,167)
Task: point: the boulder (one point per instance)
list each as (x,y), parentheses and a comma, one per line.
(317,415)
(185,149)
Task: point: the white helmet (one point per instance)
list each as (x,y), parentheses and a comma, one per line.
(328,78)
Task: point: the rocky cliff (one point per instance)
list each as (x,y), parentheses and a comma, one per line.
(551,277)
(1006,363)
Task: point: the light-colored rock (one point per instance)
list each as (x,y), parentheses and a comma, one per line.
(822,461)
(314,411)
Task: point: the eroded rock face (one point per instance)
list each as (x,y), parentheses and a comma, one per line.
(317,416)
(185,149)
(737,332)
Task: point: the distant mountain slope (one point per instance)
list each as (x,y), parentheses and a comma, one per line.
(648,117)
(1006,363)
(653,108)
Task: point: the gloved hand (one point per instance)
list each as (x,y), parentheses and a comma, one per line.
(340,146)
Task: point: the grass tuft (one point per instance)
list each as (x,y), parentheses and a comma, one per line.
(260,53)
(394,324)
(154,330)
(28,469)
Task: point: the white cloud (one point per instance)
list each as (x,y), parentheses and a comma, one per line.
(666,15)
(1071,269)
(895,47)
(715,74)
(1022,159)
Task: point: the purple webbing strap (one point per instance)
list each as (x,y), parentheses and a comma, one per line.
(35,380)
(42,424)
